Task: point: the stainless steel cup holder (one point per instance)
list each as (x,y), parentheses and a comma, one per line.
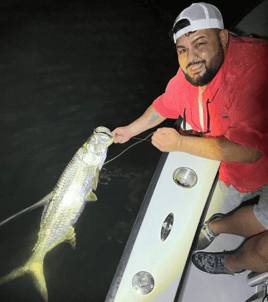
(143,283)
(185,177)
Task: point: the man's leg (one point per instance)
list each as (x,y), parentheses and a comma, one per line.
(250,222)
(243,222)
(247,221)
(253,255)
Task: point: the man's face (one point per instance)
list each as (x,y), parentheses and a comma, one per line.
(200,55)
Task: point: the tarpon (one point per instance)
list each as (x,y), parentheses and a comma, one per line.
(65,204)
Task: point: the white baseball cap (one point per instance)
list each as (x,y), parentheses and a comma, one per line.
(195,17)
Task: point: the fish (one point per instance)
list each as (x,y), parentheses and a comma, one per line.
(65,204)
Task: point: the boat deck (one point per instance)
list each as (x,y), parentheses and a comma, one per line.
(199,286)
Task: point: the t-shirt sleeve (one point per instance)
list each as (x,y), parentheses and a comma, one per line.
(168,104)
(249,110)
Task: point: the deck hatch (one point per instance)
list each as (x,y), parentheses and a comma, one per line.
(167,226)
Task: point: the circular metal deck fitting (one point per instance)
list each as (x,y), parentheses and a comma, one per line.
(143,283)
(167,226)
(185,177)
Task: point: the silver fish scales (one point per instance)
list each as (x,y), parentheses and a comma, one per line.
(65,204)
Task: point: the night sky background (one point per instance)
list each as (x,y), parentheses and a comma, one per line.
(67,67)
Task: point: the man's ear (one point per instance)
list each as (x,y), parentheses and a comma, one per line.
(224,38)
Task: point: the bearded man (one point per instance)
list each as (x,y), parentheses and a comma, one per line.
(221,91)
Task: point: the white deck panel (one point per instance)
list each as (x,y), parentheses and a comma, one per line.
(165,261)
(202,287)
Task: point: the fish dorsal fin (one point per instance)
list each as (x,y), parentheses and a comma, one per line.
(51,195)
(44,201)
(91,196)
(96,177)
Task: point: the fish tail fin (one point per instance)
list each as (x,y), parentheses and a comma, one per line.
(35,269)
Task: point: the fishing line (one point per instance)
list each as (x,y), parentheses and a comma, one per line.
(140,140)
(44,200)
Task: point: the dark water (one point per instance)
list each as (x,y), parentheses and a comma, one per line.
(66,68)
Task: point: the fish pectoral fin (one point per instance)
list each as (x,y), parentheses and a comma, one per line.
(71,237)
(96,178)
(91,196)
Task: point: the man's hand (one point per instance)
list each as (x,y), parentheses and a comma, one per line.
(221,149)
(166,139)
(121,134)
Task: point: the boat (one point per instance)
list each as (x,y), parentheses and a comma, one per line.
(183,193)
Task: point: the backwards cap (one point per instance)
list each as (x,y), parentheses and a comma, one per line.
(198,16)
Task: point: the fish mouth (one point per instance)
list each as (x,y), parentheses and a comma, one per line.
(112,138)
(106,131)
(99,133)
(102,130)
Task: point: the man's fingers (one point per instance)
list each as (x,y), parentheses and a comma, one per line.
(117,134)
(155,144)
(158,146)
(157,140)
(157,136)
(121,134)
(119,138)
(160,130)
(166,139)
(164,130)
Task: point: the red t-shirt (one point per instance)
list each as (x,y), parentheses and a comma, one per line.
(235,105)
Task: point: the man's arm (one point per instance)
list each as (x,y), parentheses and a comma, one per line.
(149,119)
(168,139)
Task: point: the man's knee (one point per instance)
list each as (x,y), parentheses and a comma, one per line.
(261,247)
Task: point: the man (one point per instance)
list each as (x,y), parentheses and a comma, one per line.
(221,91)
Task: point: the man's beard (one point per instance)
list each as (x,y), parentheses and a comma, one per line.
(210,73)
(203,80)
